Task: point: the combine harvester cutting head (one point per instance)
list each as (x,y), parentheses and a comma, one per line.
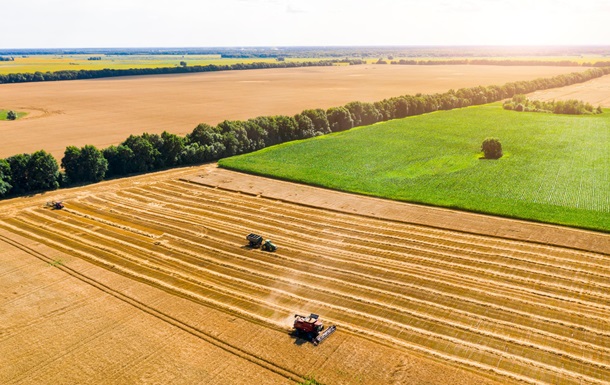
(311,327)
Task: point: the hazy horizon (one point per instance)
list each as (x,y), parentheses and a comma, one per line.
(39,24)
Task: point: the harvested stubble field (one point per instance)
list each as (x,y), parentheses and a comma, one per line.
(153,275)
(596,92)
(103,112)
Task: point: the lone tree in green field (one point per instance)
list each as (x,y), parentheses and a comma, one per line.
(11,115)
(492,148)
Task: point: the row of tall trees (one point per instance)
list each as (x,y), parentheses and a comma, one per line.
(24,173)
(183,68)
(500,62)
(105,73)
(522,103)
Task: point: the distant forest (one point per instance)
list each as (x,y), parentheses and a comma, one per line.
(321,56)
(107,73)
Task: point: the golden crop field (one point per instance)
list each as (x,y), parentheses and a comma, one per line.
(418,294)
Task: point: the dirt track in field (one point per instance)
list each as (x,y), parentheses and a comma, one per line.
(103,112)
(402,292)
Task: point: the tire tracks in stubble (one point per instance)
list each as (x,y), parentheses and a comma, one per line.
(284,372)
(510,281)
(174,220)
(219,235)
(390,241)
(302,261)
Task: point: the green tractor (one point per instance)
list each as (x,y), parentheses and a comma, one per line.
(256,241)
(268,246)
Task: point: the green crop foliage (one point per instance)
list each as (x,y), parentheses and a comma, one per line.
(554,168)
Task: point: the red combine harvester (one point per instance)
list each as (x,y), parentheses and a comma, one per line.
(311,328)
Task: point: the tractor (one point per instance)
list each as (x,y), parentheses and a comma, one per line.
(268,246)
(256,241)
(311,327)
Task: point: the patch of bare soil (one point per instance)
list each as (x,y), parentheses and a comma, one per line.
(103,112)
(150,280)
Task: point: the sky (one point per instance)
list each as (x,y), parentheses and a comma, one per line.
(241,23)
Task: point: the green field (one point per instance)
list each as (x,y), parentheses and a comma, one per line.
(556,168)
(52,63)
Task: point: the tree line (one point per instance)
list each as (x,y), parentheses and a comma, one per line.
(104,73)
(332,51)
(499,62)
(27,173)
(522,103)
